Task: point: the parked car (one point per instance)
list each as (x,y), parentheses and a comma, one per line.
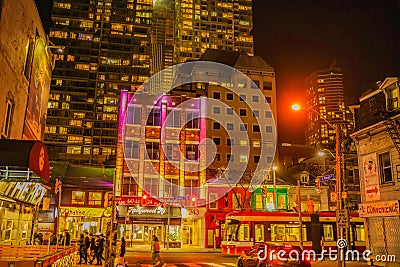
(271,254)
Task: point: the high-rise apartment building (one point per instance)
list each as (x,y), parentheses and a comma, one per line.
(325,95)
(101,47)
(223,25)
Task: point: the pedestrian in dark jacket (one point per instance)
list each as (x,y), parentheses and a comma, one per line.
(97,250)
(92,248)
(82,248)
(122,252)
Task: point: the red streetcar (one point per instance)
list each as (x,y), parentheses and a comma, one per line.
(243,229)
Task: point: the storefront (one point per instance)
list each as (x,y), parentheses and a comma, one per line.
(140,223)
(18,205)
(383,224)
(24,165)
(77,220)
(193,226)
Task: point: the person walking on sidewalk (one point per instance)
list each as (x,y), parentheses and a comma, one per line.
(82,248)
(122,252)
(155,256)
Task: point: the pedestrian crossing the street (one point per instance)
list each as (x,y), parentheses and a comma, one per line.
(205,264)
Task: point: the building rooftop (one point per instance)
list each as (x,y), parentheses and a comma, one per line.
(241,61)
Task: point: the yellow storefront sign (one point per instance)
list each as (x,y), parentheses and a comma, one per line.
(83,212)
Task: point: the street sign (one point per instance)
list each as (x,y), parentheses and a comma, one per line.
(327,177)
(342,218)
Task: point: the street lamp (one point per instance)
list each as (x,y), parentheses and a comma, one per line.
(339,204)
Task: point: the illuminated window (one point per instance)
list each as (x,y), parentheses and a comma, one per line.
(95,198)
(58,34)
(393,97)
(243,158)
(243,142)
(82,66)
(256,143)
(78,198)
(75,139)
(51,129)
(75,123)
(259,203)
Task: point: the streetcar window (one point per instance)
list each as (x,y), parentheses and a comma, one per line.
(259,233)
(360,232)
(328,232)
(278,232)
(244,232)
(286,232)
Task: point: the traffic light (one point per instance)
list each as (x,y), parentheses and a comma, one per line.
(57,188)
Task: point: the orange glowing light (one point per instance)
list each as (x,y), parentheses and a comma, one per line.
(296,107)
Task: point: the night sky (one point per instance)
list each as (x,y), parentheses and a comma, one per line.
(299,37)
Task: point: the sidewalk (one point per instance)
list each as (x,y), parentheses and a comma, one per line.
(146,249)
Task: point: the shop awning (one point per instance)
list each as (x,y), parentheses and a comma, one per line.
(22,160)
(83,212)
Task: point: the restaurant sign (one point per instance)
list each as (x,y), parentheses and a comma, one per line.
(81,212)
(380,209)
(147,210)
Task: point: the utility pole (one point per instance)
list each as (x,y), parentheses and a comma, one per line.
(300,215)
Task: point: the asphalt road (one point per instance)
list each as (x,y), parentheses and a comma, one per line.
(136,259)
(142,259)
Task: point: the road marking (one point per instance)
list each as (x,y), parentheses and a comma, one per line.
(230,264)
(214,264)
